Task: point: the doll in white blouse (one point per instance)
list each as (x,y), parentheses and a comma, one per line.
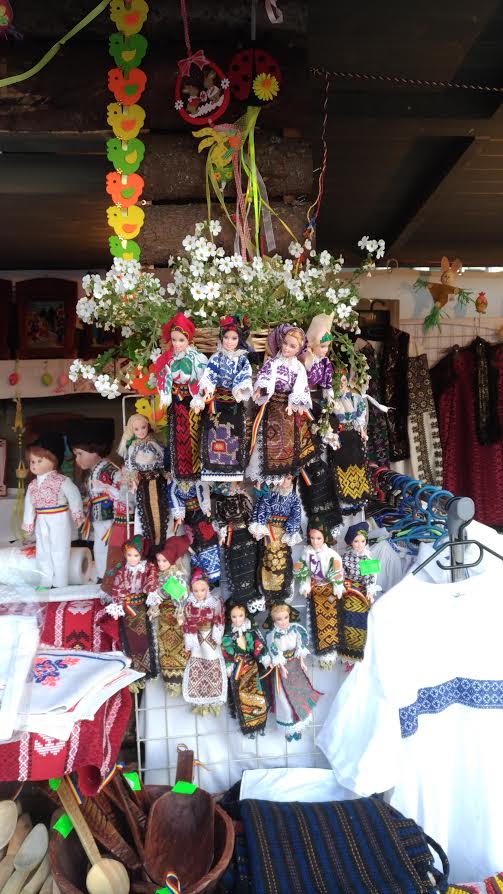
(144,462)
(51,502)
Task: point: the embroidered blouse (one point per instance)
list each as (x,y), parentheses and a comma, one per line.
(179,493)
(234,510)
(130,580)
(48,491)
(275,504)
(200,613)
(185,368)
(226,369)
(324,564)
(293,639)
(284,375)
(104,472)
(145,455)
(254,647)
(351,411)
(320,375)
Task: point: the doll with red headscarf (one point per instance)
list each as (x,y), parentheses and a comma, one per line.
(178,371)
(166,608)
(134,580)
(205,677)
(281,438)
(224,389)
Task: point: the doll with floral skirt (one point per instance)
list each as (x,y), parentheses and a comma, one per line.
(134,581)
(233,509)
(190,502)
(144,461)
(91,442)
(281,438)
(276,524)
(293,697)
(166,608)
(243,647)
(205,679)
(320,574)
(178,371)
(224,389)
(359,592)
(51,502)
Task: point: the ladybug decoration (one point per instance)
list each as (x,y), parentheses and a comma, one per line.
(255,77)
(201,90)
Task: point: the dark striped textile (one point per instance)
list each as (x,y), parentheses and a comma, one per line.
(346,847)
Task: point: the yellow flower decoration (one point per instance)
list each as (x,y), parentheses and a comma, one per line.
(265,87)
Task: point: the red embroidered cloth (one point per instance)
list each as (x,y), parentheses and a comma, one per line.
(94,744)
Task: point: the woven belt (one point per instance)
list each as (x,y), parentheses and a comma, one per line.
(51,510)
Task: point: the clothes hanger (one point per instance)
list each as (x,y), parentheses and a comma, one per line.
(482,547)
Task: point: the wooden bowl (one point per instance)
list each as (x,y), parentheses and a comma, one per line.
(69,862)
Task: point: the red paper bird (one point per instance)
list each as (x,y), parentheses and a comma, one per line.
(127,89)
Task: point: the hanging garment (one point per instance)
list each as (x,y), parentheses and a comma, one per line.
(422,425)
(377,426)
(240,549)
(470,468)
(423,715)
(394,374)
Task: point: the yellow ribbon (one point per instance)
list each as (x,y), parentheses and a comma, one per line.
(15,79)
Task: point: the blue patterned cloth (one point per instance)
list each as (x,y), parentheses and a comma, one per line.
(224,371)
(287,505)
(459,691)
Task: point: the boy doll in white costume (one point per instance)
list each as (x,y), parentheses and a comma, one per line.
(51,501)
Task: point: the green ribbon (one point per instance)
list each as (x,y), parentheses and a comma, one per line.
(15,79)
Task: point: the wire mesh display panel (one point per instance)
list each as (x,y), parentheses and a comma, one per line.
(437,342)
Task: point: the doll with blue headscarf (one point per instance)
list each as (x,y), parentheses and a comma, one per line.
(224,389)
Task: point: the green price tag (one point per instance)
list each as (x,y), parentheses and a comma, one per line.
(184,788)
(133,780)
(370,566)
(174,589)
(54,784)
(63,825)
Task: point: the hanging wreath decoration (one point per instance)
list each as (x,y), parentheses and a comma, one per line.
(201,90)
(126,117)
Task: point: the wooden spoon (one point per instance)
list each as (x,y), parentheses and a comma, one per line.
(47,886)
(175,823)
(28,858)
(38,878)
(105,876)
(8,821)
(23,826)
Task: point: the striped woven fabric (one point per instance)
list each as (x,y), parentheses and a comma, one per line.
(463,889)
(347,847)
(494,884)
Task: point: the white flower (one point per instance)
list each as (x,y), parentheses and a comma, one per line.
(257,264)
(247,275)
(171,261)
(200,313)
(288,264)
(179,278)
(215,227)
(308,244)
(126,331)
(372,246)
(171,288)
(342,311)
(353,301)
(198,292)
(340,260)
(331,295)
(155,354)
(237,261)
(199,228)
(325,258)
(312,253)
(344,293)
(197,268)
(381,248)
(295,249)
(179,104)
(212,291)
(225,265)
(363,242)
(188,243)
(220,252)
(224,83)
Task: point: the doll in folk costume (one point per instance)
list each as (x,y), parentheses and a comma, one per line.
(281,436)
(293,697)
(320,574)
(166,609)
(190,502)
(178,371)
(50,504)
(205,678)
(224,388)
(359,592)
(276,523)
(134,581)
(319,369)
(243,647)
(144,461)
(123,502)
(91,442)
(343,428)
(233,509)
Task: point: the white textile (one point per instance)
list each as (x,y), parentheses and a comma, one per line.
(422,715)
(306,784)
